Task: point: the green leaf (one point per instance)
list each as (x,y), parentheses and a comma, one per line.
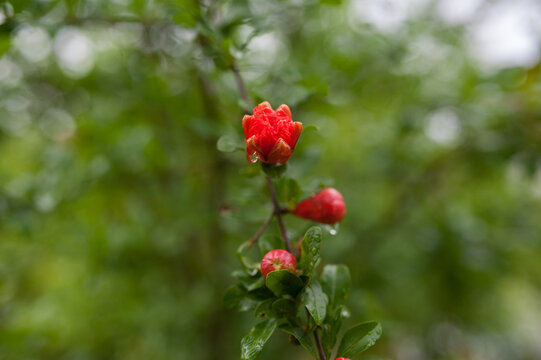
(304,337)
(310,127)
(236,297)
(7,9)
(4,44)
(311,247)
(284,282)
(332,325)
(274,171)
(359,338)
(250,282)
(316,86)
(277,308)
(285,308)
(250,266)
(336,281)
(331,2)
(329,335)
(305,279)
(261,293)
(315,301)
(185,18)
(265,309)
(225,60)
(252,344)
(255,283)
(229,143)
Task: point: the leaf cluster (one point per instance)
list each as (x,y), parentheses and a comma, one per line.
(302,305)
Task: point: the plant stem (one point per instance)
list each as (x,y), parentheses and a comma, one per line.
(278,213)
(262,228)
(242,88)
(319,347)
(320,351)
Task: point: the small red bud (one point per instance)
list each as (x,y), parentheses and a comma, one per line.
(342,358)
(271,135)
(277,260)
(326,207)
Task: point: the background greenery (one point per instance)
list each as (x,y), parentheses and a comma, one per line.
(119,219)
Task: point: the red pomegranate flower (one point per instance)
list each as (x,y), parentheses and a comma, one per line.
(270,135)
(342,358)
(326,207)
(277,260)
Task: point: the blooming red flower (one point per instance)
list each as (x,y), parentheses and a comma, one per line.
(270,135)
(326,207)
(277,260)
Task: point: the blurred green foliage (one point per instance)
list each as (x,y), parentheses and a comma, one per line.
(119,219)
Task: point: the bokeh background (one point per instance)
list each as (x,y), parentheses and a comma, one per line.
(119,218)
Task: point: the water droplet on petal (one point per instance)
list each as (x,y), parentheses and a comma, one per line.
(253,158)
(333,229)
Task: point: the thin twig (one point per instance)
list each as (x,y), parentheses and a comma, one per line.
(284,232)
(320,351)
(319,347)
(242,88)
(262,228)
(278,213)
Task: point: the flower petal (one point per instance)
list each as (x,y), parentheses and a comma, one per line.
(297,130)
(252,148)
(280,153)
(285,109)
(265,104)
(246,120)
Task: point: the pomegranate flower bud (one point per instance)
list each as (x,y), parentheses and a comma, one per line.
(277,260)
(270,135)
(342,358)
(326,207)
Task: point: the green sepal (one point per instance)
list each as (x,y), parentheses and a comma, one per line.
(274,171)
